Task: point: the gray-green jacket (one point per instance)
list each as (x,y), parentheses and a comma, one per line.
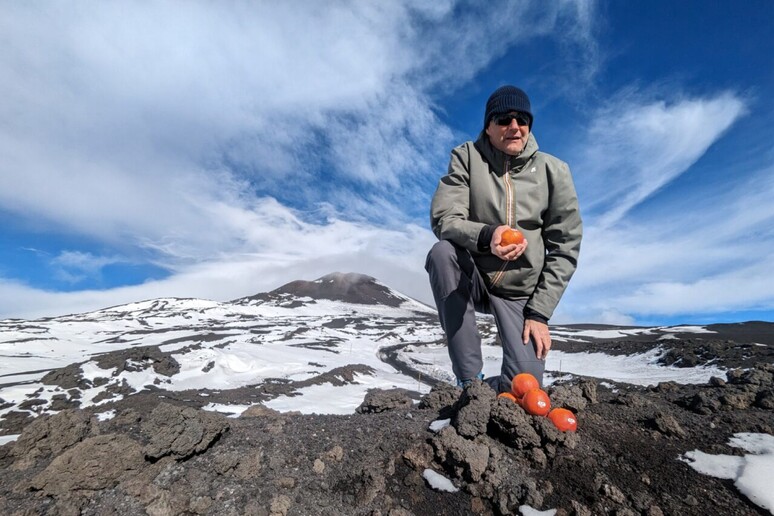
(533,192)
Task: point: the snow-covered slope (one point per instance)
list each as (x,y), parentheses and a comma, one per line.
(309,346)
(180,344)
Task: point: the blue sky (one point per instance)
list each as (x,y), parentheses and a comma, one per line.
(217,150)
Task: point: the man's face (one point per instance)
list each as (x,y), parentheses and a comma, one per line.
(511,137)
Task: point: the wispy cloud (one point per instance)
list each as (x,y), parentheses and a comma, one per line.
(637,146)
(75,266)
(711,258)
(740,288)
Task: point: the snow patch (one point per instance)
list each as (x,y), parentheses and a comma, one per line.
(439,424)
(526,510)
(342,399)
(691,329)
(106,416)
(5,439)
(751,473)
(639,369)
(230,410)
(438,481)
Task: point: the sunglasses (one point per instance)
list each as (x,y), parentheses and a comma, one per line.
(505,120)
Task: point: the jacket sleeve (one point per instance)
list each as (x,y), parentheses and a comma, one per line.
(562,232)
(450,208)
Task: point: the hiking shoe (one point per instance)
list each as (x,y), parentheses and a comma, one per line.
(468,381)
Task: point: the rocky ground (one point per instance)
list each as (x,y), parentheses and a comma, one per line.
(163,455)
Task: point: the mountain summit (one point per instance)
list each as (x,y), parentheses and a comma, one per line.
(337,286)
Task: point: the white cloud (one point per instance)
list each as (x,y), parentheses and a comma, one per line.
(75,266)
(125,120)
(292,249)
(705,252)
(636,146)
(739,289)
(708,252)
(173,127)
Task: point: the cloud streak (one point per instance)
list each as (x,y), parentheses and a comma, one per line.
(636,147)
(711,258)
(75,266)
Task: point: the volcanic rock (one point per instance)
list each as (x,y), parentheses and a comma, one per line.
(466,459)
(181,431)
(588,388)
(568,396)
(173,458)
(91,465)
(704,403)
(765,399)
(259,410)
(737,400)
(441,398)
(346,287)
(67,377)
(667,425)
(473,409)
(512,425)
(550,436)
(50,435)
(379,400)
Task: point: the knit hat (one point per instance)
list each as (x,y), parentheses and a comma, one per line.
(504,100)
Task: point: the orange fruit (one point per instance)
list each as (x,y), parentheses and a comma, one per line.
(563,419)
(511,236)
(508,395)
(522,383)
(536,402)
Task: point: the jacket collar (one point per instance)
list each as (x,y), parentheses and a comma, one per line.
(496,158)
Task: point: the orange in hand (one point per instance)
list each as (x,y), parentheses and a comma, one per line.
(522,383)
(511,236)
(563,419)
(508,395)
(536,402)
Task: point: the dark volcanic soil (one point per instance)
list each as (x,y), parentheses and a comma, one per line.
(163,457)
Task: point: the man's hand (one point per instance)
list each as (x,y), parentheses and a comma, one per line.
(540,335)
(508,252)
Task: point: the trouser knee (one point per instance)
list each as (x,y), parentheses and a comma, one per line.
(446,265)
(442,254)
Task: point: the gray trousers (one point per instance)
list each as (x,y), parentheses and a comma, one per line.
(459,292)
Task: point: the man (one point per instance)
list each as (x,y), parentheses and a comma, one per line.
(498,182)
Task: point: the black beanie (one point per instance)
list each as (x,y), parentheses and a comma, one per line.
(504,100)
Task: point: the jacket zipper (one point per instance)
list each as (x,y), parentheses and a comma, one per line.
(509,216)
